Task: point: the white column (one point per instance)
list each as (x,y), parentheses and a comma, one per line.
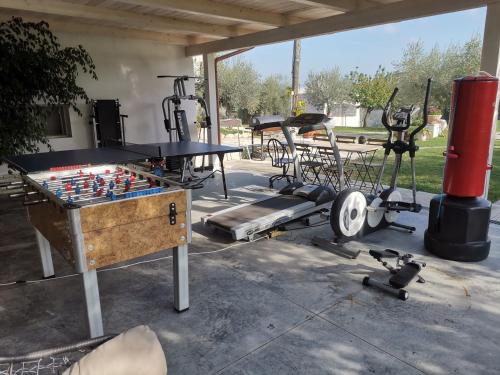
(490,62)
(211,95)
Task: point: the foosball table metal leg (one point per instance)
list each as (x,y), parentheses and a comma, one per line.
(89,277)
(45,254)
(181,278)
(92,303)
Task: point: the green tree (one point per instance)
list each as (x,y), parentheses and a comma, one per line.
(239,88)
(274,96)
(416,65)
(371,92)
(37,75)
(327,87)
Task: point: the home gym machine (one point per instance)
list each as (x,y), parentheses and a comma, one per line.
(181,126)
(354,214)
(459,217)
(178,129)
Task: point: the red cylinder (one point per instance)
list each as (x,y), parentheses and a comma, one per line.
(471,119)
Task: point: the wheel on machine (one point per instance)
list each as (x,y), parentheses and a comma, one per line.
(348,214)
(391,195)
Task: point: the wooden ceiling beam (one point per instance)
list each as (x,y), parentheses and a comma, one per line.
(383,14)
(121,17)
(220,10)
(58,25)
(340,5)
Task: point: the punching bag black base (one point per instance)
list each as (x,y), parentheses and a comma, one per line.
(458,228)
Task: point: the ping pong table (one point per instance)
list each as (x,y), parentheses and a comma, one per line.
(119,154)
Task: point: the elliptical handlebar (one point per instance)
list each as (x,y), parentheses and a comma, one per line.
(386,115)
(425,119)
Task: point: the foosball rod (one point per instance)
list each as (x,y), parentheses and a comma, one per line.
(88,197)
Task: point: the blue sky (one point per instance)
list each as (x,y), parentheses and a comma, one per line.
(368,48)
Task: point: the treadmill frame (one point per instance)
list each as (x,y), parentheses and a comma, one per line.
(249,229)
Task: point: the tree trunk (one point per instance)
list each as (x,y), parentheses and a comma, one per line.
(365,117)
(295,74)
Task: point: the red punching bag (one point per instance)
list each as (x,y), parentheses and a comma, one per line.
(459,219)
(471,118)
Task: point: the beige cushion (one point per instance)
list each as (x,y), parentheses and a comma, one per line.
(136,351)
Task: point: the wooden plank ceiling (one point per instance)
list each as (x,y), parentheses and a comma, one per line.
(216,25)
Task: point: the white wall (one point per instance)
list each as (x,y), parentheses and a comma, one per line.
(127,70)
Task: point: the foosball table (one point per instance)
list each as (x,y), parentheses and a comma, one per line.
(99,215)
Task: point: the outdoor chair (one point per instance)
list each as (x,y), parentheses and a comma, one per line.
(330,171)
(108,123)
(310,163)
(363,176)
(280,158)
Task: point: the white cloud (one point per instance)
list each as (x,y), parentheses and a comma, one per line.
(390,28)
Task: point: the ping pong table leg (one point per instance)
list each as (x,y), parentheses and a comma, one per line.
(221,160)
(45,255)
(92,303)
(181,278)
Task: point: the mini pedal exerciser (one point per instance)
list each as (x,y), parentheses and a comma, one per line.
(355,214)
(403,273)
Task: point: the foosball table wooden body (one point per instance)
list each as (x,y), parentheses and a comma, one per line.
(101,232)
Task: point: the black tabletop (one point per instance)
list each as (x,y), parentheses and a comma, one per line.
(122,154)
(179,149)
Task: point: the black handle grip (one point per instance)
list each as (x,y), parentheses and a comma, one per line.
(386,115)
(426,103)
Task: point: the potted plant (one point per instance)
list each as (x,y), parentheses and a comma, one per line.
(39,75)
(434,115)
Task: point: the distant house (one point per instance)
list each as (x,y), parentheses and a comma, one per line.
(342,114)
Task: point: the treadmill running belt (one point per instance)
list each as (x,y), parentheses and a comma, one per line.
(256,210)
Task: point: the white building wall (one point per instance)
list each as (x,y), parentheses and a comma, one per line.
(127,70)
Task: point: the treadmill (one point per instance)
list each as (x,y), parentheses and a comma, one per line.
(292,202)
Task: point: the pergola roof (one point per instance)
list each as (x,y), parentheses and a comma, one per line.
(206,26)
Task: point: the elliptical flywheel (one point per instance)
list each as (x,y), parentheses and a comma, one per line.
(348,214)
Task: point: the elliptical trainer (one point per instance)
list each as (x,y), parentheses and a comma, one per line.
(354,214)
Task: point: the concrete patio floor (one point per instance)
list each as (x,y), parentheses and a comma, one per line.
(277,306)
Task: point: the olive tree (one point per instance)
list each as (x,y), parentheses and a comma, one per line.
(443,65)
(371,92)
(327,87)
(239,88)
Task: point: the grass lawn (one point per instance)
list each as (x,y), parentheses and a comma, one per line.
(429,163)
(346,129)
